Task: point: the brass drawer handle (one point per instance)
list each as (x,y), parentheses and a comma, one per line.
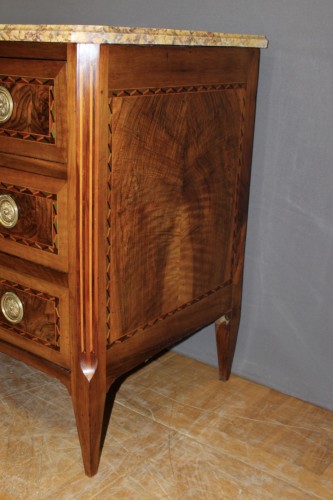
(12,307)
(6,105)
(8,211)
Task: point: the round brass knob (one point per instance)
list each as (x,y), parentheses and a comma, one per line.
(12,307)
(8,211)
(6,105)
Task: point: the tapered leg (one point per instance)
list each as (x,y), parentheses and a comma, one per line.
(89,406)
(226,329)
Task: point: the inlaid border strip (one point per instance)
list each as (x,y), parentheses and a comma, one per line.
(55,345)
(25,241)
(151,91)
(169,314)
(30,136)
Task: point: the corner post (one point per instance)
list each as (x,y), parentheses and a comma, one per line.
(88,135)
(227,327)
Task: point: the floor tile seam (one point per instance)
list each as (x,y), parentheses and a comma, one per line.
(125,476)
(152,471)
(75,477)
(241,417)
(20,391)
(279,424)
(129,468)
(254,467)
(233,479)
(48,402)
(227,454)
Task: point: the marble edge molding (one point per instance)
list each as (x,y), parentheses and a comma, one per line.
(122,35)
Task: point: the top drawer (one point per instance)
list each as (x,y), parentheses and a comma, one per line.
(33,108)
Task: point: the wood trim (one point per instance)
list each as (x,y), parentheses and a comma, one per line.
(226,332)
(137,349)
(34,50)
(87,177)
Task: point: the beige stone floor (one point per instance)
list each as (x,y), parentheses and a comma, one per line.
(176,432)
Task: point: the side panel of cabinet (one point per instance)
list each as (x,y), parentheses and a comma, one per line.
(174,176)
(179,124)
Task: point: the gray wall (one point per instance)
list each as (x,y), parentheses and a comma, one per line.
(285,338)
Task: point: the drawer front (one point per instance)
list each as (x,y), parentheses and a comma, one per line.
(34,320)
(33,108)
(33,218)
(29,218)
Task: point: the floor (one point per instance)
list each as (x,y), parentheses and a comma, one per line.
(176,432)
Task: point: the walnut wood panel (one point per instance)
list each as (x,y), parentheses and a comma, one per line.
(33,165)
(135,67)
(37,220)
(33,114)
(41,321)
(41,230)
(175,160)
(136,349)
(38,121)
(34,50)
(44,327)
(37,275)
(35,280)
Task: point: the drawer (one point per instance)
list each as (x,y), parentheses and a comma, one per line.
(33,108)
(33,218)
(35,320)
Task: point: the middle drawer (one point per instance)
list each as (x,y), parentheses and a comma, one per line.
(33,218)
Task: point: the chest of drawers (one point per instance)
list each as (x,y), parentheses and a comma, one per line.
(124,176)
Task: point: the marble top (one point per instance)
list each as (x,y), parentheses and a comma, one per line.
(119,35)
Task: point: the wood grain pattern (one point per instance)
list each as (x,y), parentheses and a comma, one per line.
(87,175)
(133,164)
(34,50)
(133,350)
(33,165)
(226,334)
(41,232)
(46,282)
(175,159)
(38,89)
(41,320)
(33,115)
(37,220)
(142,67)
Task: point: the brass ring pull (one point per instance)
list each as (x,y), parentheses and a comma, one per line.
(8,211)
(12,307)
(6,105)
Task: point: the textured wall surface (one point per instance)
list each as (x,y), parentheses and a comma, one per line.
(286,338)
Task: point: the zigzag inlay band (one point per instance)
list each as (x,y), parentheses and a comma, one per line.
(24,241)
(7,80)
(114,93)
(174,90)
(18,329)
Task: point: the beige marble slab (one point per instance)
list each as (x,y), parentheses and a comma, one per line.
(121,35)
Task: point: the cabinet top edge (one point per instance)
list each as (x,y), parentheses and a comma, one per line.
(58,33)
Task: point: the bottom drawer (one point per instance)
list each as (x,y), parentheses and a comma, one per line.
(34,320)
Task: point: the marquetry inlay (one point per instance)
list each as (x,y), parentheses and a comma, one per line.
(41,319)
(33,115)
